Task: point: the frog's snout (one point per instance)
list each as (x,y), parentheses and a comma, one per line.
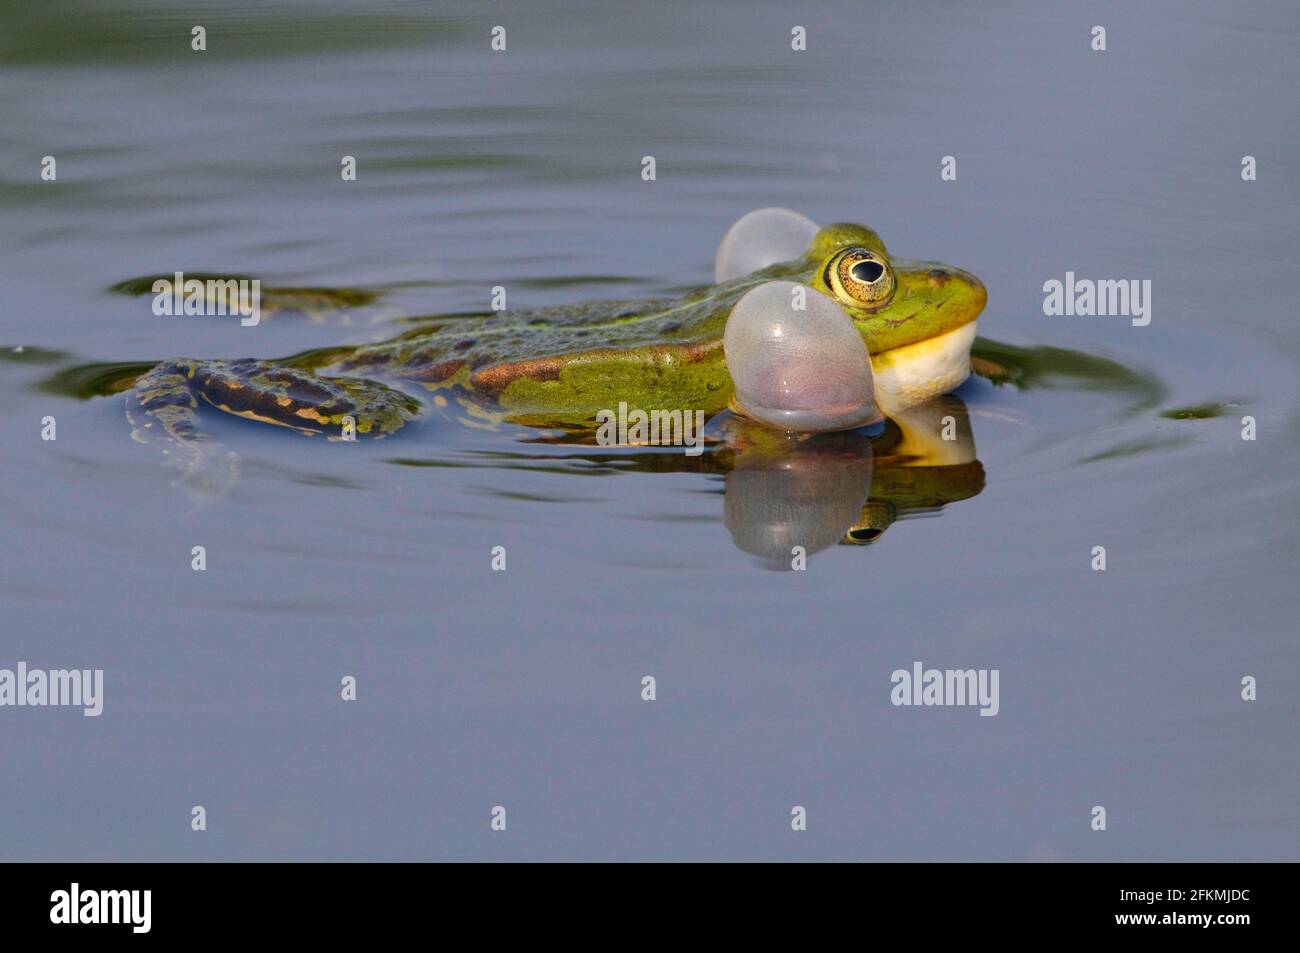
(958,290)
(976,294)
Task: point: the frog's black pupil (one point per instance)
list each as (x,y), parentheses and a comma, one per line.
(867,271)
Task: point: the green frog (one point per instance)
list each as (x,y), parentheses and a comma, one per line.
(912,324)
(557,367)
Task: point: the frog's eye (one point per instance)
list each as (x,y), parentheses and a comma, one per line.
(876,517)
(860,277)
(797,361)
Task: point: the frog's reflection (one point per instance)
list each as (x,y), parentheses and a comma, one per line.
(812,491)
(790,493)
(784,492)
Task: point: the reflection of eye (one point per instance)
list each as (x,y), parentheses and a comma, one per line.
(859,276)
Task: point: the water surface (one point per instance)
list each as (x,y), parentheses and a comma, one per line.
(522,688)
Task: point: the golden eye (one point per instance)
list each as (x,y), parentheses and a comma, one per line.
(860,277)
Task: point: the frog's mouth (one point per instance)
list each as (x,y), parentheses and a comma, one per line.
(914,373)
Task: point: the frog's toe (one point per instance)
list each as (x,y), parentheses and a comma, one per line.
(162,410)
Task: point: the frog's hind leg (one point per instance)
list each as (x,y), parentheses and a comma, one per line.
(340,407)
(166,401)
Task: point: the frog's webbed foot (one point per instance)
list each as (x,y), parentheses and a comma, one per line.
(166,401)
(163,410)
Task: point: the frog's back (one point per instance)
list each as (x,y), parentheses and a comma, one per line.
(452,347)
(557,366)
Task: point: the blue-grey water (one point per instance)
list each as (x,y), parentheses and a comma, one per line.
(522,168)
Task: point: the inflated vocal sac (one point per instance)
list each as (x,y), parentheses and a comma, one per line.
(763,237)
(797,361)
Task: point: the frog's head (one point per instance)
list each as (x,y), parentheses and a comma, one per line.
(916,317)
(893,303)
(796,361)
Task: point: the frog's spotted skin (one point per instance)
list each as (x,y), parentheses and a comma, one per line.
(260,390)
(551,367)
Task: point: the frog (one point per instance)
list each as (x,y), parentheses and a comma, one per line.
(556,368)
